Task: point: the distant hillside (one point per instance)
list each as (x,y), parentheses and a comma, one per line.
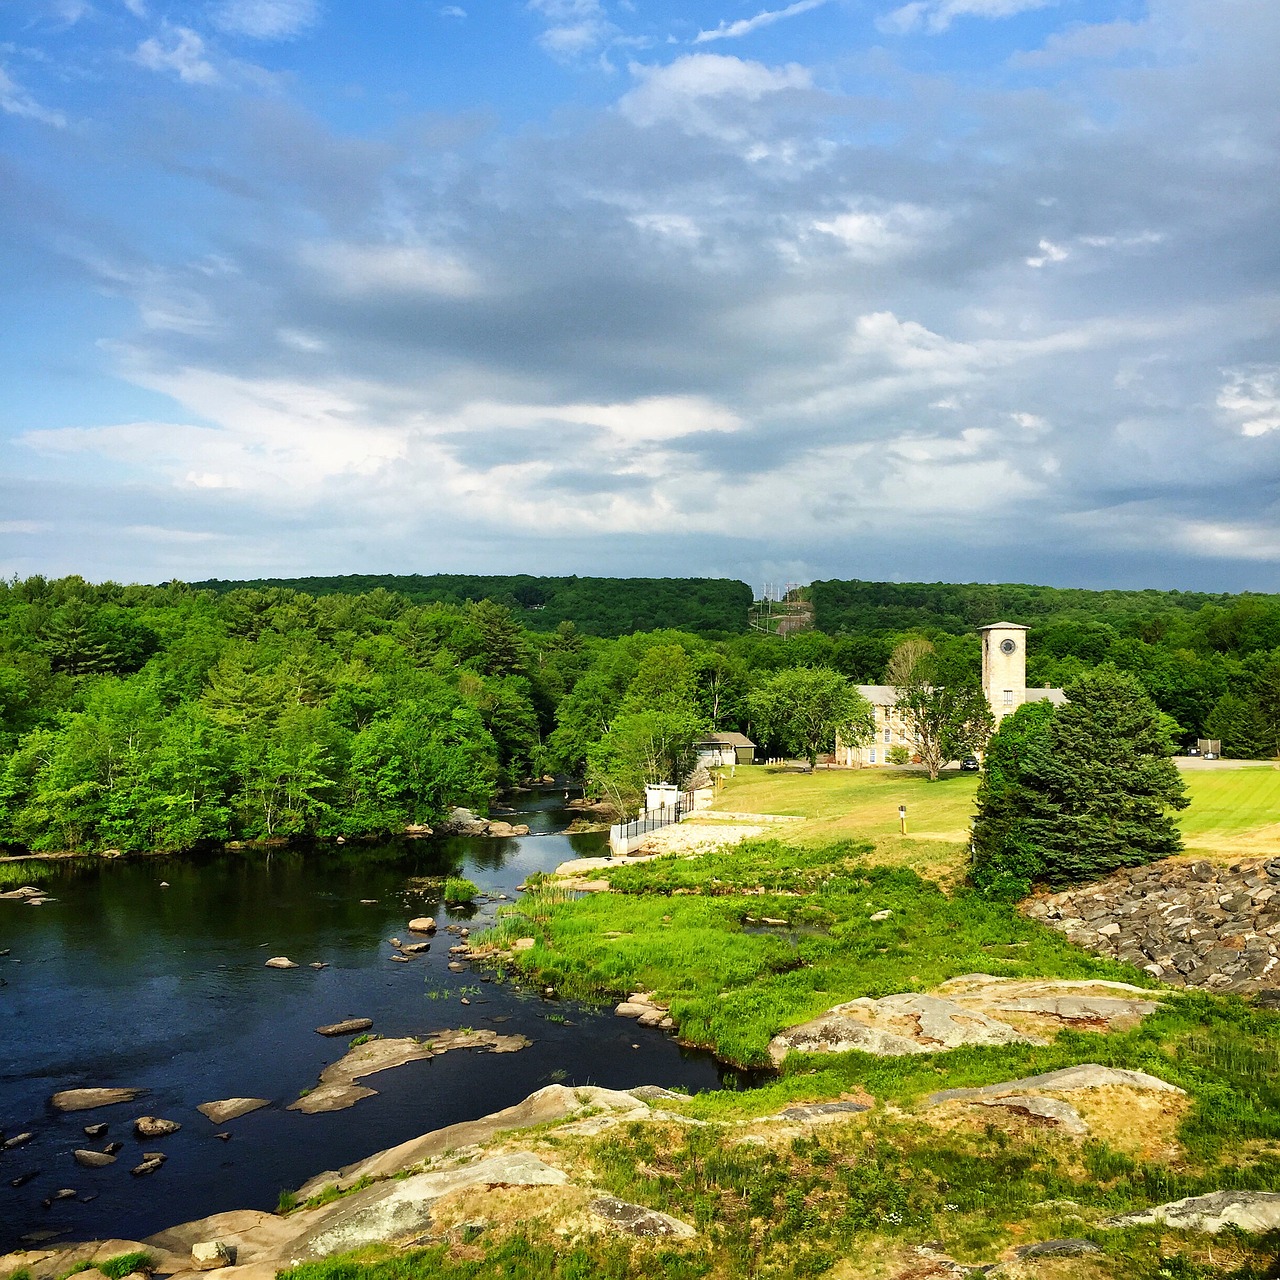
(598,606)
(960,607)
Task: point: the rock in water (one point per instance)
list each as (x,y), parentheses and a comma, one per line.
(280,962)
(88,1099)
(18,1140)
(147,1166)
(154,1127)
(351,1027)
(93,1159)
(95,1130)
(424,924)
(231,1108)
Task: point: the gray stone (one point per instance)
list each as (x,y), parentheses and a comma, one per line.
(209,1255)
(1057,1249)
(1253,1211)
(823,1110)
(636,1220)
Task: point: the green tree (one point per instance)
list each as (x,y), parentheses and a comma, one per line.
(944,722)
(1091,791)
(803,710)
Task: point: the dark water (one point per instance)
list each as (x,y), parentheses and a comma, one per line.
(122,982)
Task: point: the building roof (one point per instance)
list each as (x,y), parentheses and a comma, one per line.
(1003,626)
(725,740)
(879,695)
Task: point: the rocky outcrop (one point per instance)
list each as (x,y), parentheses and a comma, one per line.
(636,1220)
(1087,1075)
(338,1090)
(1049,1111)
(1255,1211)
(975,1009)
(154,1127)
(646,1011)
(462,822)
(93,1159)
(351,1026)
(1192,924)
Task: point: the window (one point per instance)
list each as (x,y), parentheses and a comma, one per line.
(1008,697)
(872,757)
(888,735)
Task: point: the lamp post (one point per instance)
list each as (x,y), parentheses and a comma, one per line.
(902,819)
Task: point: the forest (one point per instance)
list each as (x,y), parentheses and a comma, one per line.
(178,716)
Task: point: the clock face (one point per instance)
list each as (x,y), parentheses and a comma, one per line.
(1007,646)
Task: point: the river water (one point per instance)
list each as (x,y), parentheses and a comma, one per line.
(121,981)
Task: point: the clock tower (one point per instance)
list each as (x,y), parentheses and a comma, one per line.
(1004,667)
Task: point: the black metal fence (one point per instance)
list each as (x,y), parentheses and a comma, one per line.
(654,819)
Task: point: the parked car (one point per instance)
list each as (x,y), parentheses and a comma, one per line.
(969,764)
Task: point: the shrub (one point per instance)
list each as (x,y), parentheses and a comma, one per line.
(456,889)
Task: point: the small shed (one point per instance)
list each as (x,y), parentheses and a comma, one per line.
(718,749)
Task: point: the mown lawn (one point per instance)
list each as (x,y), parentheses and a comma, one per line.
(1233,812)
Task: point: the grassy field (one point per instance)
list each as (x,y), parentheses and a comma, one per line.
(1233,812)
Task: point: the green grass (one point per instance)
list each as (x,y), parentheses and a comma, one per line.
(1231,810)
(13,875)
(683,934)
(456,889)
(116,1268)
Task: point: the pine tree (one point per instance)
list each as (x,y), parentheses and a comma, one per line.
(1091,793)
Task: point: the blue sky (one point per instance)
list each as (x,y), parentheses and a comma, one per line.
(953,289)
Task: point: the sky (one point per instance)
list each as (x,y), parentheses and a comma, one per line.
(960,290)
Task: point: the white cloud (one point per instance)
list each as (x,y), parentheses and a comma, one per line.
(672,92)
(369,269)
(24,526)
(576,26)
(766,18)
(452,11)
(1252,397)
(1100,41)
(874,235)
(1049,252)
(936,16)
(17,102)
(135,7)
(266,19)
(184,56)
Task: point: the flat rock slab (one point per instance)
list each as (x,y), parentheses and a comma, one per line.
(1057,1249)
(1254,1211)
(547,1105)
(1043,1006)
(88,1099)
(351,1027)
(254,1234)
(338,1090)
(636,1220)
(819,1111)
(391,1211)
(894,1026)
(1050,1110)
(231,1108)
(1088,1075)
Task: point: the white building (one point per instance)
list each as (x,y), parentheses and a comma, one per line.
(1004,681)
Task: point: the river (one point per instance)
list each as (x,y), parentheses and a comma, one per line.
(121,981)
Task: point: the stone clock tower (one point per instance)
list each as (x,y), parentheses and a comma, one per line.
(1004,667)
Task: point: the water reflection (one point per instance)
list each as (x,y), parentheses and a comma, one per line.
(124,982)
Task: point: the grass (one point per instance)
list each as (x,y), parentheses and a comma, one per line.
(457,889)
(683,933)
(116,1268)
(1234,811)
(14,875)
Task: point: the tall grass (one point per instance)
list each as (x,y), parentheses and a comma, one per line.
(13,875)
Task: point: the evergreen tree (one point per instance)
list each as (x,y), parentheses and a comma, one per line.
(1087,794)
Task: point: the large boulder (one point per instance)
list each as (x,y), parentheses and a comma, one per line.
(147,1127)
(93,1159)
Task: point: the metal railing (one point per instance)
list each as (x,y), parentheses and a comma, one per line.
(653,819)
